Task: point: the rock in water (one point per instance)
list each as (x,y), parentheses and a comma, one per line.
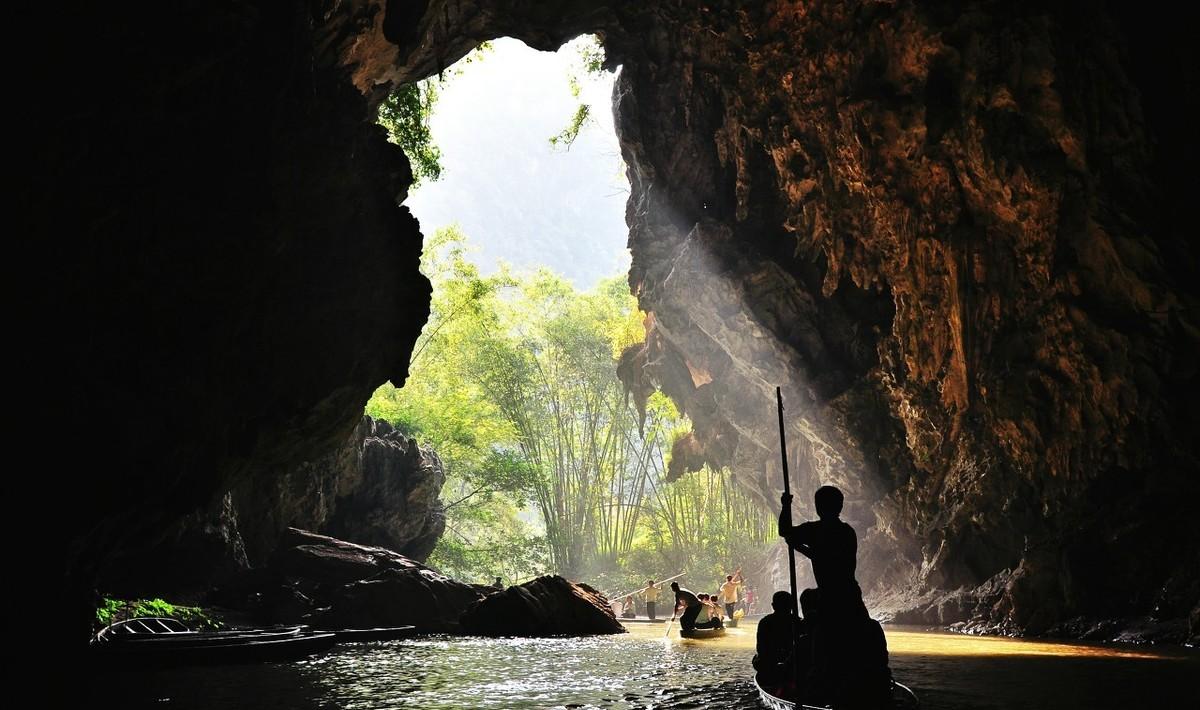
(546,606)
(357,586)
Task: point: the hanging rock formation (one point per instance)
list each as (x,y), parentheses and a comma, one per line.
(954,232)
(379,488)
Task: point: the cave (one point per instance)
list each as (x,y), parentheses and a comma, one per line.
(955,234)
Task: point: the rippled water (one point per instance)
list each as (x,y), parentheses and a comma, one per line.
(645,670)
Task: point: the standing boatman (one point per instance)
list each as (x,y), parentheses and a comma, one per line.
(729,591)
(651,595)
(691,603)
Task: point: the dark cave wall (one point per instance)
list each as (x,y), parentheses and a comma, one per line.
(218,269)
(955,233)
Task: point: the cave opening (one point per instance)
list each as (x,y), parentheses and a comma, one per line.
(521,193)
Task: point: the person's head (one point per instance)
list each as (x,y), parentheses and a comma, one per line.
(828,500)
(649,582)
(497,580)
(675,586)
(702,597)
(809,599)
(729,578)
(781,602)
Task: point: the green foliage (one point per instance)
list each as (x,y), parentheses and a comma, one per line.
(112,610)
(513,382)
(406,114)
(567,136)
(589,62)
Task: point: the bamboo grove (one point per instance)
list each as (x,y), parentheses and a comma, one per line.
(513,382)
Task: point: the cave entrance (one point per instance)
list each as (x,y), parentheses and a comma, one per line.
(550,467)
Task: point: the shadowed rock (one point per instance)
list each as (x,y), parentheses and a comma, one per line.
(546,606)
(358,586)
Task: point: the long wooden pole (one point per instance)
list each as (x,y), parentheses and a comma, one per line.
(661,581)
(787,488)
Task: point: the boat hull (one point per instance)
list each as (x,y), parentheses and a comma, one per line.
(702,633)
(903,698)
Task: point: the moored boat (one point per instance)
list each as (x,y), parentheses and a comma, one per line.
(642,620)
(163,641)
(702,633)
(903,698)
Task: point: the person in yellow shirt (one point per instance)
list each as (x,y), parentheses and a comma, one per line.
(729,591)
(650,593)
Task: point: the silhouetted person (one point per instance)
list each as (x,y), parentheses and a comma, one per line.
(691,603)
(832,546)
(773,645)
(867,680)
(498,585)
(651,595)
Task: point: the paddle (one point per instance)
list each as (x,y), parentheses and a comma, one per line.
(672,621)
(787,489)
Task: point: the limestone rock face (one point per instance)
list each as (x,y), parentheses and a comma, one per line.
(379,488)
(357,586)
(953,234)
(546,606)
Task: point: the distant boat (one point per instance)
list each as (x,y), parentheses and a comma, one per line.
(702,633)
(641,620)
(164,641)
(903,698)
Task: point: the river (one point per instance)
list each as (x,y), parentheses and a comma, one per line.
(643,669)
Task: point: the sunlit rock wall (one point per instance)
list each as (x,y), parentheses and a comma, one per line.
(950,232)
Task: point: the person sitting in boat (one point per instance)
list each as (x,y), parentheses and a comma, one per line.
(687,600)
(498,585)
(773,646)
(710,615)
(627,610)
(650,594)
(867,679)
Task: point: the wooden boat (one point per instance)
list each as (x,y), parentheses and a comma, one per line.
(641,620)
(162,630)
(161,641)
(702,633)
(384,633)
(903,698)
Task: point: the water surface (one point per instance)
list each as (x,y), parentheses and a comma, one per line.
(645,670)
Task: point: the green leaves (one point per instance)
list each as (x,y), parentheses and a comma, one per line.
(406,114)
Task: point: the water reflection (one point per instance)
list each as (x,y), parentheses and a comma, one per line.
(643,670)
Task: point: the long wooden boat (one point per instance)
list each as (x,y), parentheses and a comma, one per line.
(903,698)
(702,633)
(161,641)
(641,620)
(161,631)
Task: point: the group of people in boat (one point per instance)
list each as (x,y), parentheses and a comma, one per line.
(700,610)
(834,652)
